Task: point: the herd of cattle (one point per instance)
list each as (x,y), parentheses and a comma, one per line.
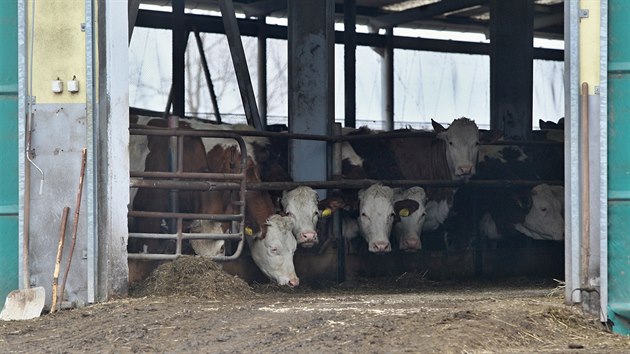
(386,218)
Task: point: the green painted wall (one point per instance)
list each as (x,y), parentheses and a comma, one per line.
(8,149)
(619,165)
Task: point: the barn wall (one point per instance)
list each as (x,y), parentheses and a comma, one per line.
(62,45)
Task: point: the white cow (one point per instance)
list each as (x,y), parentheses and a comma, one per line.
(408,230)
(301,204)
(538,215)
(462,146)
(272,249)
(377,214)
(545,219)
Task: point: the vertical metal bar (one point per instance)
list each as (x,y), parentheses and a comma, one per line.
(603,160)
(585,247)
(206,73)
(388,80)
(240,64)
(262,70)
(571,152)
(180,36)
(22,112)
(350,62)
(92,180)
(175,154)
(336,221)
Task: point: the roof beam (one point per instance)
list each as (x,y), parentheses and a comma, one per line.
(423,12)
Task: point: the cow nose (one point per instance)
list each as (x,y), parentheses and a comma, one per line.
(309,237)
(464,170)
(411,243)
(381,246)
(293,282)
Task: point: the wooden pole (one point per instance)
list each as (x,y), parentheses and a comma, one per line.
(62,233)
(75,222)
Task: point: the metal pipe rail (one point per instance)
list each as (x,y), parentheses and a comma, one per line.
(144,179)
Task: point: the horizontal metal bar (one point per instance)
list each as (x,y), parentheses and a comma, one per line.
(185,216)
(203,133)
(170,257)
(363,183)
(187,236)
(196,175)
(183,185)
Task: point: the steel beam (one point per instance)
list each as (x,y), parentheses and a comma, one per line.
(240,64)
(423,12)
(511,40)
(350,63)
(180,36)
(387,71)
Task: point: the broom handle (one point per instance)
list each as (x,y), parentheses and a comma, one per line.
(75,222)
(62,233)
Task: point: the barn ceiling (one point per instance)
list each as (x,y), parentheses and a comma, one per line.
(457,15)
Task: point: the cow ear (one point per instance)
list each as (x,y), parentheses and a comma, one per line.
(252,229)
(437,127)
(406,207)
(329,205)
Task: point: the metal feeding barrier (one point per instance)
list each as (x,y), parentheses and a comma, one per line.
(177,180)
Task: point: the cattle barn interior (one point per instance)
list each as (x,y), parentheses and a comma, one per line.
(513,157)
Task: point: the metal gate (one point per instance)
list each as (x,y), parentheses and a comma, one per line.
(177,180)
(8,147)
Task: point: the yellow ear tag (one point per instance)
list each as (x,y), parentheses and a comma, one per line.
(404,212)
(326,212)
(249,231)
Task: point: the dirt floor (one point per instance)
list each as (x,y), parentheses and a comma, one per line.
(192,306)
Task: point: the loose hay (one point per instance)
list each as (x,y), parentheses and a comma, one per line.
(192,276)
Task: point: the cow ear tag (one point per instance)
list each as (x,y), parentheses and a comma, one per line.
(249,231)
(404,212)
(326,212)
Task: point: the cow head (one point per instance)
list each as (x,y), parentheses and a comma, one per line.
(462,146)
(544,220)
(272,248)
(207,248)
(411,205)
(301,204)
(377,214)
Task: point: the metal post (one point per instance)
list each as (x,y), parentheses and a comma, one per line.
(262,70)
(350,59)
(511,46)
(206,72)
(180,36)
(388,80)
(337,225)
(240,64)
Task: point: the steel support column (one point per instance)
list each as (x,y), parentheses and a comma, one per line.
(180,37)
(311,85)
(511,67)
(350,62)
(262,71)
(388,80)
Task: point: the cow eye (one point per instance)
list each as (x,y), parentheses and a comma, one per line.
(363,214)
(274,250)
(316,212)
(392,215)
(424,214)
(288,213)
(477,143)
(450,143)
(543,209)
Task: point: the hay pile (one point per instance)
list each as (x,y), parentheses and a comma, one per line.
(192,276)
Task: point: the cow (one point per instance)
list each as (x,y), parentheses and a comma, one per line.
(376,214)
(272,246)
(537,213)
(408,230)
